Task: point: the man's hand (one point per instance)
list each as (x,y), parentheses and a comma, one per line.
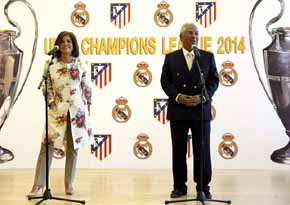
(195,99)
(183,99)
(189,100)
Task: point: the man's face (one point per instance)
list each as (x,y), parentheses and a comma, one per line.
(189,37)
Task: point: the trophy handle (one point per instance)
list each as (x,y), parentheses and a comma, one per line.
(15,24)
(273,20)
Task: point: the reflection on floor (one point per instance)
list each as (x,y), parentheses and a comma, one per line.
(148,187)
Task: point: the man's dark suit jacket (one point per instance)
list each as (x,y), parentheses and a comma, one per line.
(176,78)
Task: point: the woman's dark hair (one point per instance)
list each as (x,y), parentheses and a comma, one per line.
(75,51)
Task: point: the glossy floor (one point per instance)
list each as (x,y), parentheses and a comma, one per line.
(148,187)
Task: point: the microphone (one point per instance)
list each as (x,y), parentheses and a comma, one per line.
(195,51)
(53,51)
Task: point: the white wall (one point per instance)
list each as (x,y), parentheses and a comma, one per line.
(242,110)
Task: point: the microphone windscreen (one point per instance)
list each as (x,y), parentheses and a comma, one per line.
(54,50)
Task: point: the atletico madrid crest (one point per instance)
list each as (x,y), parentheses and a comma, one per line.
(160,110)
(101,73)
(205,13)
(120,14)
(102,146)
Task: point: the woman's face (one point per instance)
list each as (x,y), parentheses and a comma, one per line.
(66,45)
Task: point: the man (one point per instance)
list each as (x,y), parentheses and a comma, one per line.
(180,80)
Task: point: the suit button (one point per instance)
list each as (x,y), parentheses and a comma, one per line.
(195,86)
(177,74)
(184,85)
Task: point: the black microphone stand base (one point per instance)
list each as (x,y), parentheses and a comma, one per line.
(48,196)
(201,198)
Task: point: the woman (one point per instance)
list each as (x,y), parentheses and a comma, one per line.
(69,94)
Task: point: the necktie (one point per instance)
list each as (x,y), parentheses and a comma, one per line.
(189,60)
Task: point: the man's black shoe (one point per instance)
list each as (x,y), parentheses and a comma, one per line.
(178,193)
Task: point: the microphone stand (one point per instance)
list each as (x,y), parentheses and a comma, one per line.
(204,98)
(47,193)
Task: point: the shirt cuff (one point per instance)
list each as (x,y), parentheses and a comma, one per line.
(176,99)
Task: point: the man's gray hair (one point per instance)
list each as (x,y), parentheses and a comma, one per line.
(185,26)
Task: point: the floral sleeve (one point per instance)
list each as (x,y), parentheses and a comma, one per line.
(86,84)
(50,96)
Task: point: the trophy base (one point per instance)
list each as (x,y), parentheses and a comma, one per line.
(282,155)
(5,155)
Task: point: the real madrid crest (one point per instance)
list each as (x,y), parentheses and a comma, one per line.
(228,149)
(142,76)
(121,112)
(80,17)
(142,148)
(228,76)
(163,17)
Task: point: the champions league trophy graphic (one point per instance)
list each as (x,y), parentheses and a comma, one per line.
(10,70)
(277,67)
